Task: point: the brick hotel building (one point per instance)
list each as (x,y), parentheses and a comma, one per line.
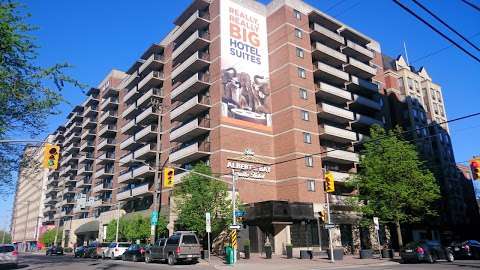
(235,84)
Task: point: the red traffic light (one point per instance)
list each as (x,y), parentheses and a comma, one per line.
(475,164)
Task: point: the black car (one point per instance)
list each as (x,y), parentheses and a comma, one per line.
(426,251)
(466,249)
(80,252)
(135,252)
(54,250)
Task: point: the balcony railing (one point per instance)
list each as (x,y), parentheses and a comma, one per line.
(193,106)
(192,86)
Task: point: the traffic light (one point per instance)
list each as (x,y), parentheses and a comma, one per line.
(329,182)
(51,155)
(322,215)
(475,166)
(168,177)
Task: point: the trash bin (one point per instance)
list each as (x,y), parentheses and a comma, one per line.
(268,252)
(229,255)
(337,254)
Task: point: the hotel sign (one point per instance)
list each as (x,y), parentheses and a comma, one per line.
(248,166)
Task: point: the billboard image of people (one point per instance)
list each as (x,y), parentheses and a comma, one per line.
(244,67)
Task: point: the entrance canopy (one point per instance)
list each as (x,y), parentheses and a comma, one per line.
(89,227)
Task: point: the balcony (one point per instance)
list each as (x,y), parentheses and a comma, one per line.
(107,157)
(332,93)
(143,171)
(332,133)
(130,94)
(85,170)
(154,62)
(148,133)
(68,201)
(125,176)
(148,115)
(194,106)
(334,113)
(192,86)
(360,69)
(198,20)
(153,80)
(363,102)
(83,183)
(126,159)
(131,80)
(104,173)
(190,130)
(90,111)
(130,127)
(339,156)
(108,130)
(130,110)
(147,97)
(146,152)
(88,134)
(366,120)
(339,200)
(340,176)
(328,55)
(78,209)
(74,137)
(326,36)
(108,117)
(88,157)
(124,195)
(187,153)
(194,63)
(195,42)
(89,122)
(129,144)
(358,51)
(102,187)
(102,202)
(74,147)
(330,74)
(359,85)
(107,143)
(87,146)
(140,190)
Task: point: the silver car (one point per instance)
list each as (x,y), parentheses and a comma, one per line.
(8,255)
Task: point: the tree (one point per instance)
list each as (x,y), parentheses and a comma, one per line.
(48,237)
(28,92)
(393,183)
(5,237)
(133,228)
(196,195)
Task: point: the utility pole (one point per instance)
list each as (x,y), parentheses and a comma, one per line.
(330,244)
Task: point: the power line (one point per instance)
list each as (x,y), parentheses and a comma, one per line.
(476,7)
(445,24)
(435,29)
(335,5)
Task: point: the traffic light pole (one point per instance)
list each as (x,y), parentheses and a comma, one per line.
(330,244)
(234,206)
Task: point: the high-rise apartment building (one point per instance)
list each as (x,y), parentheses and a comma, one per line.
(29,199)
(275,93)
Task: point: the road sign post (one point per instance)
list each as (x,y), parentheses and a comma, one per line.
(208,229)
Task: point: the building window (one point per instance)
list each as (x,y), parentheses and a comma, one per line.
(309,161)
(303,93)
(300,53)
(410,83)
(439,96)
(297,14)
(307,137)
(442,112)
(400,83)
(301,73)
(432,92)
(305,115)
(298,33)
(311,185)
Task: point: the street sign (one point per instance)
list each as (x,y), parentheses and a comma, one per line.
(239,213)
(329,226)
(154,218)
(208,227)
(235,227)
(375,222)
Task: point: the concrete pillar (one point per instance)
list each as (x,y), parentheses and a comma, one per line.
(356,238)
(280,238)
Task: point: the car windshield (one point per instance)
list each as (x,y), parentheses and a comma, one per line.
(189,239)
(5,249)
(104,244)
(123,245)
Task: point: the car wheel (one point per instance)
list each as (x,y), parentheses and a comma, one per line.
(134,258)
(450,257)
(148,259)
(171,259)
(430,258)
(124,258)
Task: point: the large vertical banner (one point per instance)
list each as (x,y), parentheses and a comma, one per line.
(244,65)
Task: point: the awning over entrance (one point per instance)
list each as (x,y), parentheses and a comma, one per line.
(89,227)
(279,211)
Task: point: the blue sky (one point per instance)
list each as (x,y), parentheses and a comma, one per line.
(96,36)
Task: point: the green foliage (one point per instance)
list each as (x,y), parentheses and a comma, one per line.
(393,183)
(5,237)
(197,195)
(28,92)
(48,237)
(134,227)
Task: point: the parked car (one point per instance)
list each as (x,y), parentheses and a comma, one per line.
(466,249)
(80,252)
(426,251)
(135,252)
(95,250)
(54,250)
(181,246)
(8,256)
(115,250)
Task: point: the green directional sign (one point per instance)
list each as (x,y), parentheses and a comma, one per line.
(154,218)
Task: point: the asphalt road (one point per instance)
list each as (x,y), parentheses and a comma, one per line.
(442,265)
(68,262)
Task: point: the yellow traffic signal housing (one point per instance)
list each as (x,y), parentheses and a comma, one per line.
(168,177)
(51,155)
(329,182)
(475,166)
(322,216)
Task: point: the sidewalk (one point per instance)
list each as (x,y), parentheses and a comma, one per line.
(258,262)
